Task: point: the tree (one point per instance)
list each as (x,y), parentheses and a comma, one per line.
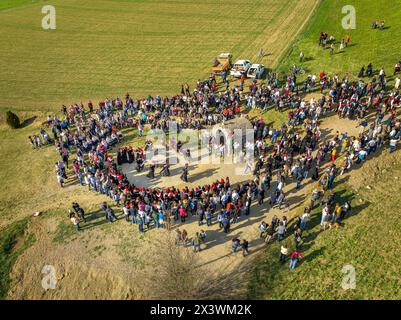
(12,120)
(173,272)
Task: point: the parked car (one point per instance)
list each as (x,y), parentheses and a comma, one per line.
(240,67)
(256,71)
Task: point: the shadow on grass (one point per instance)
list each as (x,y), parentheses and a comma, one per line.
(28,122)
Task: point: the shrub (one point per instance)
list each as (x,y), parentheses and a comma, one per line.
(12,120)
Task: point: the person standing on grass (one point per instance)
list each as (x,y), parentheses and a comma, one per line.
(140,129)
(296,256)
(261,196)
(126,211)
(184,174)
(347,40)
(305,218)
(197,242)
(342,45)
(333,155)
(184,237)
(109,213)
(60,180)
(260,53)
(146,220)
(140,225)
(155,218)
(280,231)
(269,234)
(248,165)
(208,216)
(79,211)
(74,220)
(262,229)
(331,177)
(220,217)
(168,221)
(200,214)
(325,216)
(280,200)
(297,238)
(298,179)
(161,218)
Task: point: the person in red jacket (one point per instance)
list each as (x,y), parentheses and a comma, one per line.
(183,213)
(295,257)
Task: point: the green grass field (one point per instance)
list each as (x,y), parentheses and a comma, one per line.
(106,48)
(368,241)
(381,48)
(13,241)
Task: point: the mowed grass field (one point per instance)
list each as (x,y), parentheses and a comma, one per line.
(110,47)
(101,49)
(107,48)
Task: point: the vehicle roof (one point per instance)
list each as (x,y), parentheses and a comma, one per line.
(241,61)
(256,65)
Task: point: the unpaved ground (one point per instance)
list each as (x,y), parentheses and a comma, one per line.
(100,262)
(204,168)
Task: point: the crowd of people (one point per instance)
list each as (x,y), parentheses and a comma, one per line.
(294,152)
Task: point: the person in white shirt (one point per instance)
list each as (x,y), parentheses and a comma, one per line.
(304,220)
(397,83)
(325,217)
(393,144)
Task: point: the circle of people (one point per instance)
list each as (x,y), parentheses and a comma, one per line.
(290,155)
